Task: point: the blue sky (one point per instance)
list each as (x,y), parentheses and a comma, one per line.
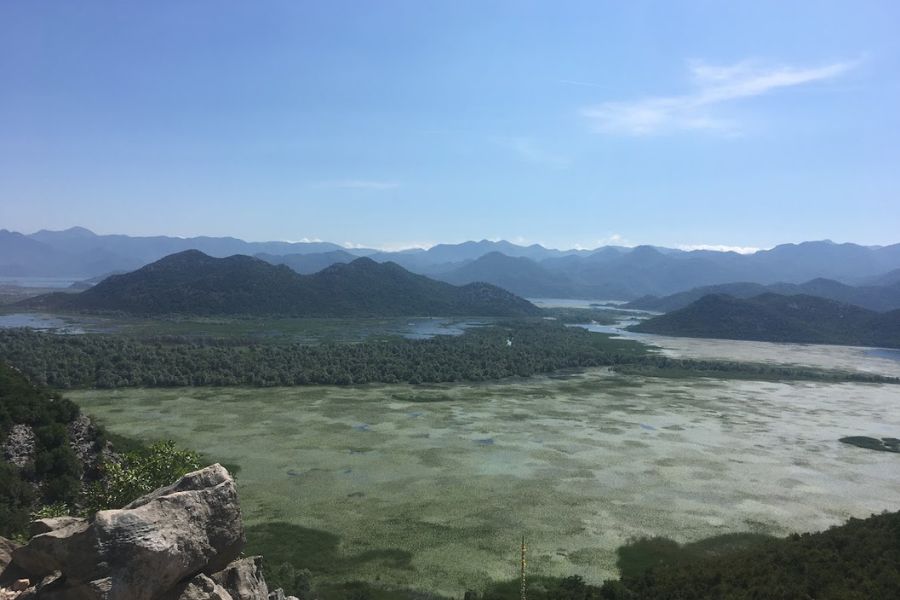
(392,124)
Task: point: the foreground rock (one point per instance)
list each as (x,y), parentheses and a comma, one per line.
(243,579)
(6,550)
(201,587)
(181,542)
(52,524)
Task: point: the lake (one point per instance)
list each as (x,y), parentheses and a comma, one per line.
(302,330)
(445,479)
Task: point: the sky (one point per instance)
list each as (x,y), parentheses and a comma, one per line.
(394,124)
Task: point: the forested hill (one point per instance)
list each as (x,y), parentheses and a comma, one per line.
(191,282)
(880,298)
(776,318)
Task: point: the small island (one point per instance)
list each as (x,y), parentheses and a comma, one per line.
(869,443)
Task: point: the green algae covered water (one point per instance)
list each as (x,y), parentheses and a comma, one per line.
(432,487)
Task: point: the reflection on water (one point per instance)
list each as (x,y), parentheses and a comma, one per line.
(40,322)
(881,361)
(38,282)
(574,303)
(423,329)
(310,331)
(616,330)
(884,353)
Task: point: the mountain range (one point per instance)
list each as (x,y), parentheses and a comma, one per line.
(609,272)
(193,283)
(773,317)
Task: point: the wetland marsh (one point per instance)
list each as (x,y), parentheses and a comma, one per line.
(432,486)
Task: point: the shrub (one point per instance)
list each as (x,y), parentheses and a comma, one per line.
(138,473)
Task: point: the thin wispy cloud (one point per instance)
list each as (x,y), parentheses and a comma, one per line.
(305,240)
(615,239)
(530,151)
(391,247)
(720,248)
(358,184)
(713,85)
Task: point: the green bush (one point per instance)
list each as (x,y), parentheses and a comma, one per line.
(138,473)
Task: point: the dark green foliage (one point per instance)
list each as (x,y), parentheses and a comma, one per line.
(639,556)
(859,560)
(192,283)
(17,497)
(479,354)
(54,475)
(21,402)
(776,318)
(856,561)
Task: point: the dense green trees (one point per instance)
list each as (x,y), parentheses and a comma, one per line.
(859,560)
(520,348)
(53,475)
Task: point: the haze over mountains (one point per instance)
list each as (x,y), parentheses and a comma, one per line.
(193,283)
(610,272)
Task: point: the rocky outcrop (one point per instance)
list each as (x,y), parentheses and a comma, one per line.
(244,579)
(201,587)
(18,448)
(181,542)
(83,439)
(51,524)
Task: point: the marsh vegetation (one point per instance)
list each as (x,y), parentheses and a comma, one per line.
(431,486)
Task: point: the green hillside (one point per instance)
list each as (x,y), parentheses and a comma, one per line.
(776,318)
(192,283)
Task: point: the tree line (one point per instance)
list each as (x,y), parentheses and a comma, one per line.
(511,349)
(520,348)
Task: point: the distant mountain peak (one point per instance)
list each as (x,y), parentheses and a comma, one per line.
(192,256)
(76,231)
